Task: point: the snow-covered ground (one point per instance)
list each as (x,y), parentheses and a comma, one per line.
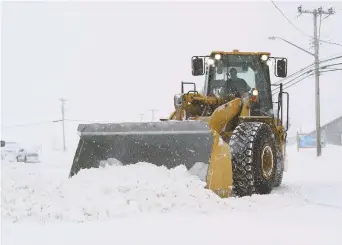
(144,204)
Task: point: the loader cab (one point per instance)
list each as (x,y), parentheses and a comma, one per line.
(253,68)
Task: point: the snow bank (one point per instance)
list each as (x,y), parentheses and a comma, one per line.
(146,204)
(295,227)
(34,192)
(44,192)
(41,192)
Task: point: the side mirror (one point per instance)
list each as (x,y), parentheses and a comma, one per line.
(178,100)
(3,143)
(197,66)
(281,68)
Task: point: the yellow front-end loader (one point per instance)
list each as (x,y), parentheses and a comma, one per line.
(228,135)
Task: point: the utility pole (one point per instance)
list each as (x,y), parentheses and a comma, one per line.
(63,119)
(141,117)
(316,13)
(153,110)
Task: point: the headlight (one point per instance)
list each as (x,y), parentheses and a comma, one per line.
(178,100)
(264,57)
(210,62)
(255,92)
(217,56)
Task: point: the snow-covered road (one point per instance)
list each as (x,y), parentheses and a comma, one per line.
(144,204)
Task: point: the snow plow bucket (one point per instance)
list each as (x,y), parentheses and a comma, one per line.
(195,143)
(167,143)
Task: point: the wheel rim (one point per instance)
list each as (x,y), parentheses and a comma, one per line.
(267,162)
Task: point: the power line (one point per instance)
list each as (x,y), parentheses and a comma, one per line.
(293,74)
(292,84)
(323,67)
(337,69)
(334,58)
(51,121)
(29,124)
(285,87)
(302,32)
(294,79)
(306,72)
(289,20)
(307,76)
(88,121)
(323,41)
(329,58)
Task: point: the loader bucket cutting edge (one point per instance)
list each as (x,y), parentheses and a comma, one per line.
(167,143)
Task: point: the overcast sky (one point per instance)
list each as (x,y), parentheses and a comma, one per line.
(113,61)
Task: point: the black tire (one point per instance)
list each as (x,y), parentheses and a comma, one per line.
(247,143)
(278,179)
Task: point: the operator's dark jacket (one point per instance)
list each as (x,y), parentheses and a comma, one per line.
(239,84)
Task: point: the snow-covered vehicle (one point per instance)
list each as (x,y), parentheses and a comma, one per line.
(9,151)
(32,157)
(21,155)
(13,152)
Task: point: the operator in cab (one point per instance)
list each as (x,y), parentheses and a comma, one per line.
(234,83)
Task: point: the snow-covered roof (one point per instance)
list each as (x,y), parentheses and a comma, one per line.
(312,128)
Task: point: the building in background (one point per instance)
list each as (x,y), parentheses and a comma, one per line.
(332,132)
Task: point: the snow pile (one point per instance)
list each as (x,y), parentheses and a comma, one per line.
(307,206)
(104,193)
(43,191)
